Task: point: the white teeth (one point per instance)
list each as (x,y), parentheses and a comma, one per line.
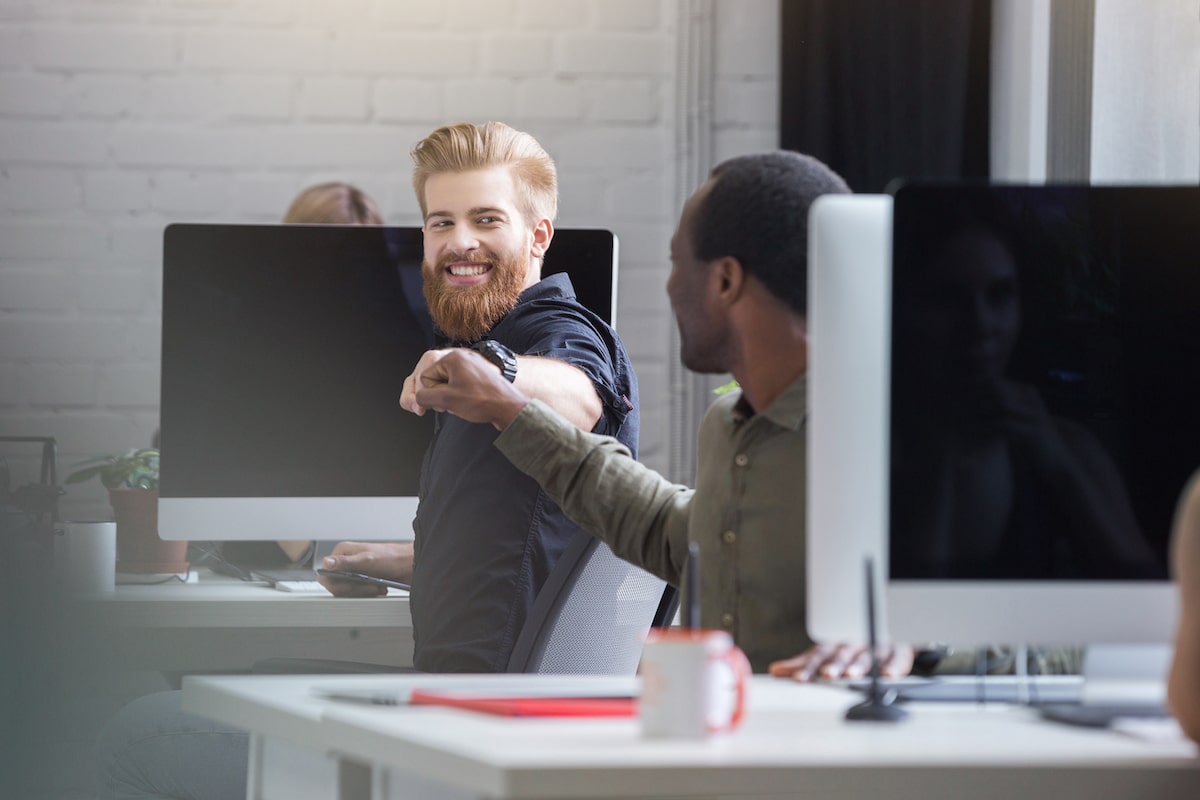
(468,269)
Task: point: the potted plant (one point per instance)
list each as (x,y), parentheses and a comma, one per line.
(132,483)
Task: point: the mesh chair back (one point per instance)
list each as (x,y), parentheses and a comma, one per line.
(592,614)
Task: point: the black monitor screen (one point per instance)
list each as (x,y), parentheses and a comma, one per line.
(285,349)
(1045,379)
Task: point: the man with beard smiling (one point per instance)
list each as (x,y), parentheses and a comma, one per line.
(486,534)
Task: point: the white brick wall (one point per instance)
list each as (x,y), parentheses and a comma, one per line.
(119,118)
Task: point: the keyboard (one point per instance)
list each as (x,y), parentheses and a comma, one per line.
(301,587)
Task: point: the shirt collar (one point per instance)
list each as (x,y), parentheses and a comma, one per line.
(789,410)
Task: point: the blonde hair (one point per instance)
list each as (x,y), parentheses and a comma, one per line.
(333,203)
(463,147)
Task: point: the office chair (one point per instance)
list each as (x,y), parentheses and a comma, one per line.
(592,614)
(589,619)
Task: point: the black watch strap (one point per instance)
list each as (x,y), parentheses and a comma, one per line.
(498,354)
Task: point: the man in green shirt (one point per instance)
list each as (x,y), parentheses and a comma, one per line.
(738,288)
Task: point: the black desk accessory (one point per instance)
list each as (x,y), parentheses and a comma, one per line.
(880,703)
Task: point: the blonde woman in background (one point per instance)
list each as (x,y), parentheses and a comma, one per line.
(333,203)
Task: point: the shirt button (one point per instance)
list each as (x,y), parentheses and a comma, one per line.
(741,459)
(727,619)
(729,536)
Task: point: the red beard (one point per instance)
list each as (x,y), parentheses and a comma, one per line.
(466,313)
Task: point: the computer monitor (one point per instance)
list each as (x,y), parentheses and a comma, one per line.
(1044,383)
(284,352)
(849,256)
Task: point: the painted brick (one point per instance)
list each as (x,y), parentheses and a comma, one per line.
(257,51)
(32,290)
(143,341)
(180,97)
(188,193)
(52,143)
(41,240)
(517,54)
(16,47)
(627,14)
(408,100)
(137,242)
(61,385)
(101,49)
(170,146)
(581,197)
(480,100)
(479,15)
(606,145)
(614,54)
(747,44)
(338,99)
(644,241)
(114,190)
(252,97)
(642,196)
(111,290)
(739,141)
(55,338)
(38,189)
(634,100)
(13,391)
(549,99)
(747,103)
(265,196)
(344,147)
(431,55)
(129,386)
(105,96)
(275,13)
(403,15)
(32,95)
(554,15)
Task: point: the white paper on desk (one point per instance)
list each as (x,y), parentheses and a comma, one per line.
(1149,729)
(397,691)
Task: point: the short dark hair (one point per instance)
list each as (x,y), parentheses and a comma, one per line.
(757,212)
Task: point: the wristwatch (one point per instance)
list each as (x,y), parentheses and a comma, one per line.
(499,355)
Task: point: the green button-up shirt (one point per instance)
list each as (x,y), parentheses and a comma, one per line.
(747,512)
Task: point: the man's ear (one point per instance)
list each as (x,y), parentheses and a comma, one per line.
(730,276)
(543,232)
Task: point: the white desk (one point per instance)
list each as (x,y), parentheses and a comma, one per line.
(223,624)
(794,743)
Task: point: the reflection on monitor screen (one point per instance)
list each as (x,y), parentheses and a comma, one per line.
(1045,342)
(285,349)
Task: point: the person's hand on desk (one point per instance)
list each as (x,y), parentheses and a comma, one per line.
(391,560)
(833,661)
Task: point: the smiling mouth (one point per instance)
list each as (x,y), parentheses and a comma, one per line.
(466,269)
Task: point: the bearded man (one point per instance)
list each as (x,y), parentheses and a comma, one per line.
(486,536)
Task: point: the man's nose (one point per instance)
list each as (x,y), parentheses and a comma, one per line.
(463,240)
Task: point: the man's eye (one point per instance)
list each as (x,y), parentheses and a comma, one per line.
(488,220)
(441,223)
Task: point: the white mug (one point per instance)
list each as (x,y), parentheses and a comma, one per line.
(693,683)
(85,557)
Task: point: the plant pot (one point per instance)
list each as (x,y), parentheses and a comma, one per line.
(139,548)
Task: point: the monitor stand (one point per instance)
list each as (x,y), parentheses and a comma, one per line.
(1118,681)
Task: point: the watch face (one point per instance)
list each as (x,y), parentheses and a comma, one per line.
(499,355)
